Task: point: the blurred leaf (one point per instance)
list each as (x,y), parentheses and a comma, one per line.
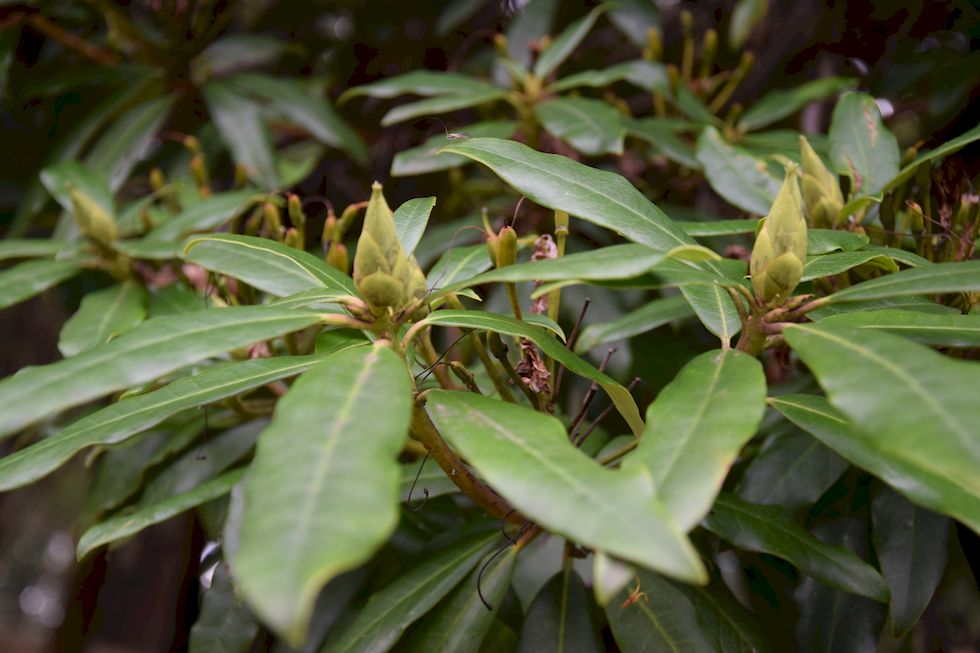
(828,265)
(102,315)
(665,141)
(15,248)
(634,18)
(240,124)
(235,52)
(456,13)
(745,16)
(764,529)
(962,276)
(265,264)
(527,458)
(861,145)
(776,105)
(59,177)
(533,19)
(410,221)
(937,329)
(322,493)
(693,107)
(950,147)
(296,162)
(440,105)
(126,524)
(560,618)
(392,609)
(204,215)
(723,620)
(714,308)
(646,318)
(427,83)
(647,75)
(911,546)
(224,624)
(428,479)
(736,175)
(24,280)
(696,427)
(426,157)
(564,44)
(146,352)
(590,126)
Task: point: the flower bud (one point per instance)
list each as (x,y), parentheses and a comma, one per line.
(94,221)
(821,189)
(295,209)
(506,247)
(779,253)
(293,239)
(338,258)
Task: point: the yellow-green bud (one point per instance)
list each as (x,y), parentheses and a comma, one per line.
(821,189)
(779,253)
(329,227)
(506,247)
(157,180)
(199,171)
(293,239)
(295,208)
(380,289)
(94,221)
(273,219)
(338,258)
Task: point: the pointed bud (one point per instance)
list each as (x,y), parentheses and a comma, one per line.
(293,239)
(821,189)
(329,228)
(295,209)
(338,258)
(779,253)
(382,272)
(506,247)
(94,221)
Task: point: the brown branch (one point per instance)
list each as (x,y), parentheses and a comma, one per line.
(86,48)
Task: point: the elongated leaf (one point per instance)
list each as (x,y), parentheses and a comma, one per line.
(697,426)
(241,127)
(963,276)
(269,266)
(736,175)
(29,278)
(943,150)
(235,52)
(560,619)
(828,265)
(777,105)
(58,178)
(115,423)
(205,215)
(461,622)
(710,228)
(911,545)
(426,83)
(693,107)
(938,419)
(662,621)
(124,525)
(566,42)
(394,608)
(745,16)
(714,308)
(439,105)
(322,494)
(645,74)
(723,620)
(665,140)
(590,126)
(410,220)
(101,316)
(509,326)
(14,248)
(427,158)
(901,468)
(458,264)
(224,624)
(825,241)
(646,318)
(146,352)
(915,303)
(424,480)
(861,145)
(939,329)
(527,458)
(908,258)
(764,529)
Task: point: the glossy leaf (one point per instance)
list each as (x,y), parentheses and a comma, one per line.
(427,158)
(963,276)
(101,316)
(439,105)
(424,480)
(714,308)
(710,228)
(126,524)
(426,83)
(861,145)
(776,105)
(457,265)
(395,607)
(825,241)
(322,493)
(902,256)
(565,43)
(590,126)
(550,347)
(560,618)
(736,175)
(645,74)
(269,266)
(944,150)
(938,419)
(646,318)
(209,213)
(144,353)
(764,529)
(911,546)
(828,265)
(937,329)
(900,467)
(723,620)
(410,220)
(665,141)
(240,124)
(696,427)
(527,458)
(224,624)
(29,278)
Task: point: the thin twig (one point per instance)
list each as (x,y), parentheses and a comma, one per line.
(572,339)
(578,442)
(589,396)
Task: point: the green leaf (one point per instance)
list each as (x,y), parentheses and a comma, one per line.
(556,182)
(315,299)
(527,458)
(776,105)
(861,145)
(58,178)
(410,220)
(710,228)
(916,303)
(937,329)
(265,264)
(14,248)
(426,83)
(696,427)
(224,624)
(693,107)
(900,255)
(792,471)
(457,265)
(902,468)
(740,178)
(827,265)
(634,18)
(943,150)
(590,126)
(662,621)
(938,418)
(439,105)
(415,592)
(127,524)
(560,618)
(119,421)
(240,125)
(961,276)
(427,158)
(565,43)
(714,308)
(205,215)
(646,318)
(745,16)
(24,280)
(322,493)
(825,241)
(424,481)
(154,348)
(460,623)
(531,21)
(645,74)
(509,326)
(666,142)
(102,315)
(911,547)
(723,620)
(764,529)
(234,52)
